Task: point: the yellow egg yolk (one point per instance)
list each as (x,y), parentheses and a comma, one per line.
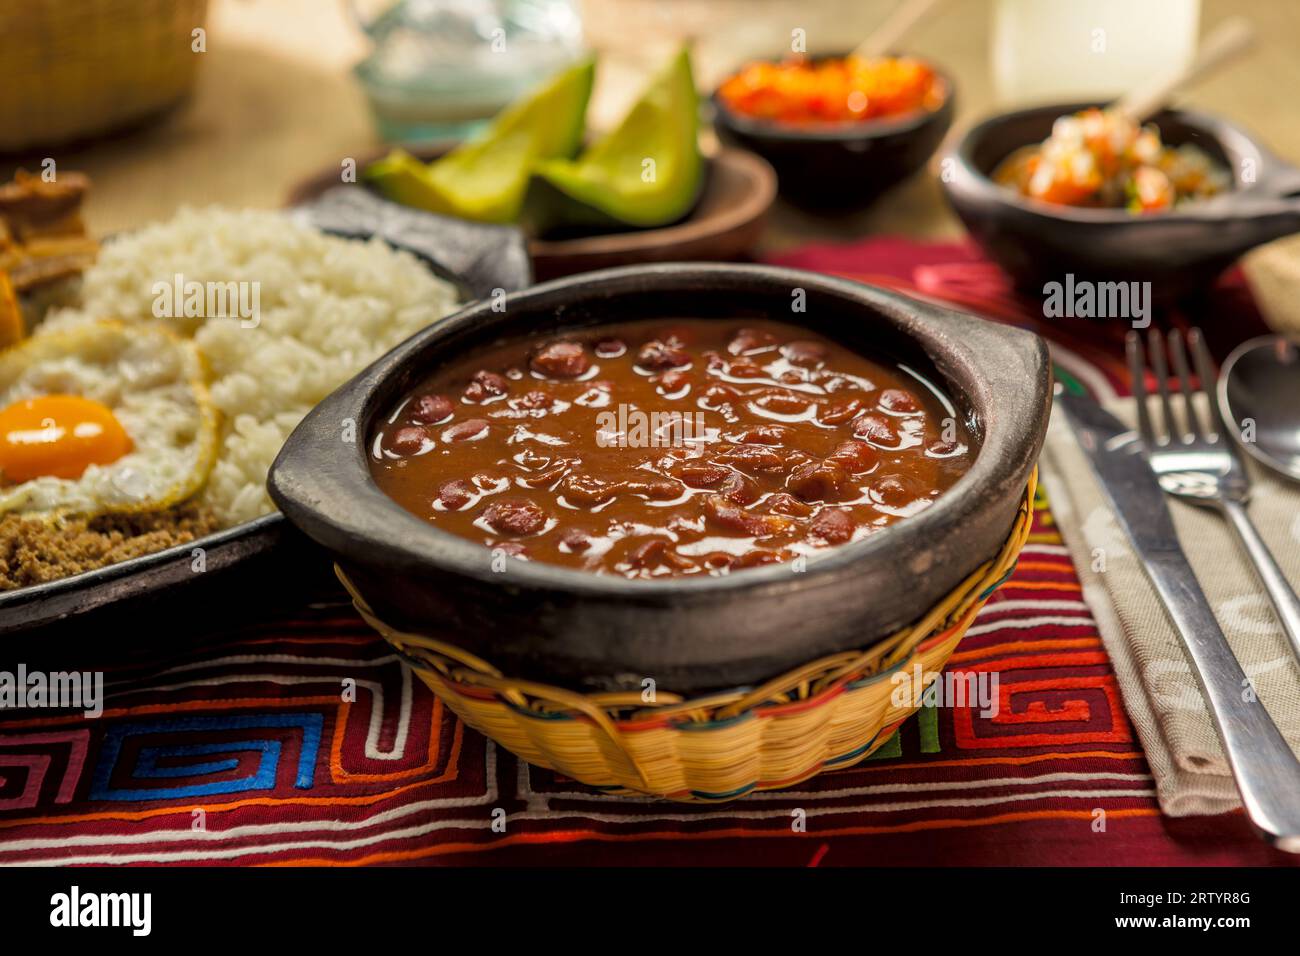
(58,436)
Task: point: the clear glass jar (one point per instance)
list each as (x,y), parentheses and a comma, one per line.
(441,68)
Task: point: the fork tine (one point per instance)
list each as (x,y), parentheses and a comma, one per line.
(1137,367)
(1205,372)
(1160,368)
(1179,357)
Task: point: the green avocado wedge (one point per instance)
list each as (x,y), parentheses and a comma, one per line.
(646,172)
(486,178)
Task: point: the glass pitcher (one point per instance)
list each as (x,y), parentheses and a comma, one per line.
(441,68)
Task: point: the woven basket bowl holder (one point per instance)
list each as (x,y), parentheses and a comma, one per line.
(831,712)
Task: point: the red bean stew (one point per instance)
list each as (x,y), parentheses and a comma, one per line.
(682,447)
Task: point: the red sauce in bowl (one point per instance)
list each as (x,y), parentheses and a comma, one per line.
(804,92)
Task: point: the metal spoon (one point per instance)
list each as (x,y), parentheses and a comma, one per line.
(1259,393)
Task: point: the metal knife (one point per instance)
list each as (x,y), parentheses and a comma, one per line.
(1265,769)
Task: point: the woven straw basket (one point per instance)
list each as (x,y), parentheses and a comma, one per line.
(71,69)
(831,712)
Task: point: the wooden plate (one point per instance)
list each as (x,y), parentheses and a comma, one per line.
(724,225)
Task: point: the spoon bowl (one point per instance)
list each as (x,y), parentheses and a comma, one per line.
(1260,383)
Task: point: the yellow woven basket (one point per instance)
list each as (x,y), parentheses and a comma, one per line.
(71,69)
(832,712)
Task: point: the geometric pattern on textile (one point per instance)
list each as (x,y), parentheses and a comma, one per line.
(303,739)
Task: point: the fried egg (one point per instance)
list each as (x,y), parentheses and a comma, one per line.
(102,418)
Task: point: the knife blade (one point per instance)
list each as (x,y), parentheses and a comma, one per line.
(1117,457)
(1263,765)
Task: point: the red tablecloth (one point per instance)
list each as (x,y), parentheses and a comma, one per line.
(248,753)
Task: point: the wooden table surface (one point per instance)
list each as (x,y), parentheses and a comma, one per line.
(276,98)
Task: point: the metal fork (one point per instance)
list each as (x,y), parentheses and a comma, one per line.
(1198,462)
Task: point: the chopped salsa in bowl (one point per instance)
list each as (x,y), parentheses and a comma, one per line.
(1102,159)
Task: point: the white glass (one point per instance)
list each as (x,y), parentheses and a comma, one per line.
(1061,50)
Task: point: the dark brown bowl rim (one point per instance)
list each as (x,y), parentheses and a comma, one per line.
(1235,142)
(754,205)
(334,499)
(844,132)
(630,242)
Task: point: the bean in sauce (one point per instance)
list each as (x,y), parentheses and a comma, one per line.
(669,448)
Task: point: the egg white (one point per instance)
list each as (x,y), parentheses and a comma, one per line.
(153,381)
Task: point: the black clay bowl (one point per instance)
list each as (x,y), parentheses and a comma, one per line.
(586,631)
(1177,252)
(843,166)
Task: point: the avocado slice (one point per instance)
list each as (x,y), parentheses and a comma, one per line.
(646,172)
(486,178)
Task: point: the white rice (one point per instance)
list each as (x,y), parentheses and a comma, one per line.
(328,307)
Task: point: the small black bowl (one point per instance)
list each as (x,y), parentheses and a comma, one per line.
(1177,252)
(840,166)
(584,631)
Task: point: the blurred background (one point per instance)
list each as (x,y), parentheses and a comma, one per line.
(280,86)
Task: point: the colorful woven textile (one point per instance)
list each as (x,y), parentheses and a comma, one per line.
(302,739)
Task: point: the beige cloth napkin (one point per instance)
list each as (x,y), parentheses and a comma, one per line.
(1273,271)
(1160,692)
